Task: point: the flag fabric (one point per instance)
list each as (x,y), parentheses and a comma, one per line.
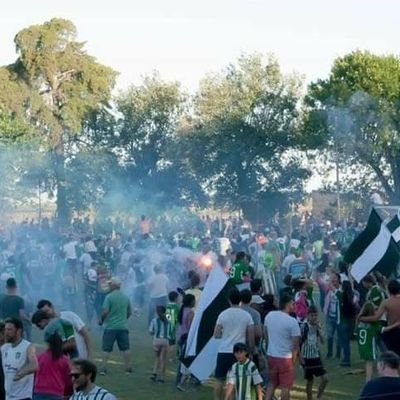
(202,347)
(376,248)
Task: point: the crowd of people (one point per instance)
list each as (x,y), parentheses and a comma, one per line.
(291,292)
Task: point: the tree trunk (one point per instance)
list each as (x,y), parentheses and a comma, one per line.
(63,213)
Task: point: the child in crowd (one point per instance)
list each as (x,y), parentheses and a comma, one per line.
(172,311)
(243,380)
(160,329)
(310,357)
(301,303)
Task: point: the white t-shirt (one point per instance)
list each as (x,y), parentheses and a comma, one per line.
(281,329)
(90,247)
(158,285)
(234,322)
(70,250)
(86,260)
(77,324)
(13,359)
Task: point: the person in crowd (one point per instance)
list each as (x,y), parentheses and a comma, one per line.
(172,311)
(243,381)
(12,305)
(52,380)
(160,330)
(288,288)
(83,375)
(390,307)
(185,318)
(194,288)
(299,268)
(158,290)
(367,335)
(301,303)
(257,301)
(333,296)
(51,325)
(310,357)
(103,277)
(387,385)
(19,362)
(283,335)
(115,314)
(246,296)
(240,271)
(233,325)
(90,292)
(348,314)
(81,334)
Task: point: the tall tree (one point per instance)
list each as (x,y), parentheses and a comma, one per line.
(147,142)
(245,122)
(355,113)
(62,85)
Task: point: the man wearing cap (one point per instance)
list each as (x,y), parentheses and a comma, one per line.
(115,314)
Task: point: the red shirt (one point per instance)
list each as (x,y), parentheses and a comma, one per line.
(53,375)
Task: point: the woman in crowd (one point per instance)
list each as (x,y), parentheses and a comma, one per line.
(52,381)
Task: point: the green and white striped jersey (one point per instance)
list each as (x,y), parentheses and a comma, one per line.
(97,393)
(245,377)
(160,329)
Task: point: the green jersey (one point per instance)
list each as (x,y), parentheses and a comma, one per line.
(244,377)
(238,271)
(172,310)
(375,296)
(366,333)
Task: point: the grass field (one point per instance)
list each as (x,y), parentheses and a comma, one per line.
(138,385)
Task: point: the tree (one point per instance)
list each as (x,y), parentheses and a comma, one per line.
(244,124)
(147,143)
(355,114)
(57,85)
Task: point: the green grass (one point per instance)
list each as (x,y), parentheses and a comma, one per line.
(138,385)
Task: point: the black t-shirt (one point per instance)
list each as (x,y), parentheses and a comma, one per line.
(383,388)
(10,305)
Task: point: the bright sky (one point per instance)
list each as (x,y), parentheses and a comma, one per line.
(185,39)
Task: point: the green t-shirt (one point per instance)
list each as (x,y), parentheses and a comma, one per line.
(117,304)
(63,328)
(375,295)
(238,271)
(172,310)
(366,334)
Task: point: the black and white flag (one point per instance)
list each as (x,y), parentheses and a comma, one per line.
(202,347)
(376,248)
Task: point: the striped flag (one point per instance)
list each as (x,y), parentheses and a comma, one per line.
(201,346)
(376,247)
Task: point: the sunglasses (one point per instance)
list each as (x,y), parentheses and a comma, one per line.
(75,375)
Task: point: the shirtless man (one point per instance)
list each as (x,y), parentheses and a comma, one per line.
(390,307)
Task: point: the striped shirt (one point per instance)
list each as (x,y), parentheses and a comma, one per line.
(97,393)
(160,329)
(309,341)
(244,377)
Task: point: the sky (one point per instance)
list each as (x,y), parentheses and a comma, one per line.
(186,39)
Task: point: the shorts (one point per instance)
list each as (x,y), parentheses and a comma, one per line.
(159,344)
(224,364)
(281,372)
(313,367)
(121,336)
(391,339)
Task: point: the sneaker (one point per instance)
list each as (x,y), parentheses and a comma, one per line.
(153,377)
(160,381)
(103,372)
(128,371)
